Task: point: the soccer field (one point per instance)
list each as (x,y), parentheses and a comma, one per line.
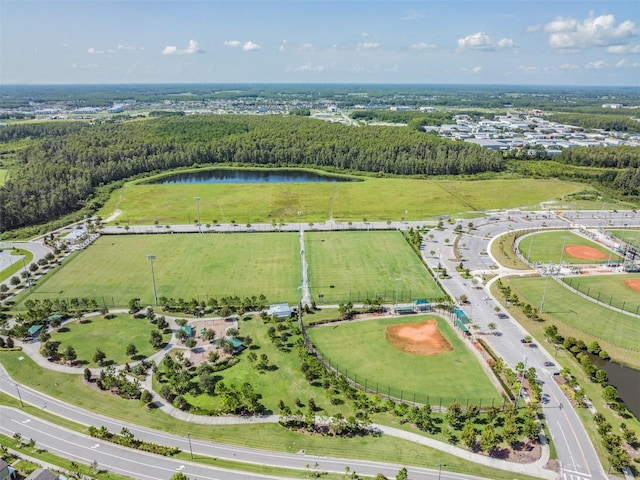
(355,266)
(361,351)
(115,268)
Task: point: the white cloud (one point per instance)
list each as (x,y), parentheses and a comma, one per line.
(598,65)
(476,41)
(248,46)
(94,51)
(626,63)
(533,28)
(569,33)
(129,47)
(505,43)
(191,49)
(412,15)
(283,46)
(621,49)
(365,34)
(367,46)
(309,67)
(422,46)
(476,69)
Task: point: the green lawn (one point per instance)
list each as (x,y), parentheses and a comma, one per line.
(361,350)
(546,247)
(609,289)
(285,382)
(70,388)
(359,265)
(115,268)
(4,174)
(112,336)
(630,236)
(372,198)
(580,314)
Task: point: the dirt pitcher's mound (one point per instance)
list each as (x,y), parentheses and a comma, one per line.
(585,253)
(633,284)
(422,338)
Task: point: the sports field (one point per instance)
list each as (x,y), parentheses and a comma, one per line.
(630,236)
(357,266)
(115,268)
(547,247)
(380,199)
(620,291)
(361,351)
(579,313)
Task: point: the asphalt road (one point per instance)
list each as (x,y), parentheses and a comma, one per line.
(139,465)
(575,451)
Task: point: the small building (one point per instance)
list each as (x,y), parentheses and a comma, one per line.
(280,310)
(422,305)
(6,472)
(461,316)
(404,309)
(34,330)
(43,474)
(188,329)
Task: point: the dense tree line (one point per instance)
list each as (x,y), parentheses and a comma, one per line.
(400,116)
(59,173)
(604,121)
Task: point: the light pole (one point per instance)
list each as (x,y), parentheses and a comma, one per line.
(398,280)
(27,274)
(151,258)
(19,396)
(299,223)
(564,241)
(440,469)
(190,449)
(197,200)
(544,293)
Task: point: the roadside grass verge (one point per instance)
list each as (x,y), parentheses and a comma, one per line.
(70,388)
(355,266)
(115,269)
(616,332)
(361,351)
(609,289)
(502,251)
(379,199)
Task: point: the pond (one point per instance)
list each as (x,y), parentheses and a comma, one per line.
(231,175)
(625,379)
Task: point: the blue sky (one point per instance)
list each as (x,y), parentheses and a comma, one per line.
(547,42)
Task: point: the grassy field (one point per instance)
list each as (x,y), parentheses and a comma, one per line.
(4,175)
(387,449)
(373,198)
(609,289)
(589,320)
(362,349)
(110,335)
(630,236)
(546,247)
(115,268)
(359,265)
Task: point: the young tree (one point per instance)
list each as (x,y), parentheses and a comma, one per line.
(488,438)
(70,354)
(99,357)
(468,435)
(132,351)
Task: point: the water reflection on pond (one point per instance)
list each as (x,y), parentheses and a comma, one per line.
(247,176)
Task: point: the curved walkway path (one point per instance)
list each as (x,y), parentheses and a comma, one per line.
(535,469)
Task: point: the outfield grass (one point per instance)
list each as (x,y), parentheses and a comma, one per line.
(609,289)
(115,268)
(359,265)
(110,335)
(373,198)
(546,247)
(70,388)
(361,350)
(632,237)
(589,320)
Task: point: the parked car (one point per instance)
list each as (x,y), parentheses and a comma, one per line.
(549,364)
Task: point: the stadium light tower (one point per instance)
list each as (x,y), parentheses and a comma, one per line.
(151,258)
(197,199)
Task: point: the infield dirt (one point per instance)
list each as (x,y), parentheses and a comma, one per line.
(422,338)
